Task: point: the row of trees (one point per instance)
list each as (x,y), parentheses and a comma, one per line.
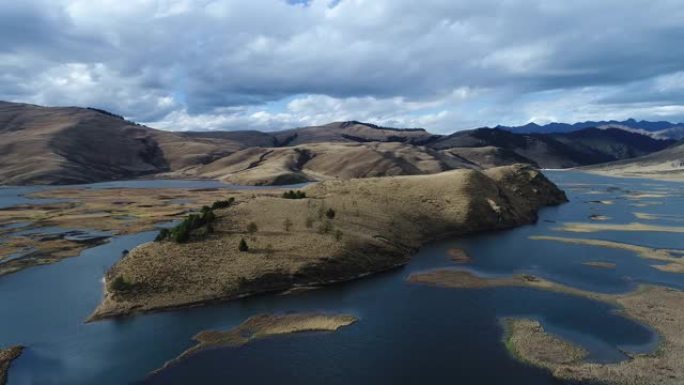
(294,194)
(181,233)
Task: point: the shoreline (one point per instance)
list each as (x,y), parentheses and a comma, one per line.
(289,290)
(661,176)
(658,308)
(8,355)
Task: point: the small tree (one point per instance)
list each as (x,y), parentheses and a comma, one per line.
(181,233)
(294,194)
(308,222)
(223,204)
(243,245)
(120,285)
(252,228)
(325,227)
(163,234)
(338,235)
(287,224)
(330,213)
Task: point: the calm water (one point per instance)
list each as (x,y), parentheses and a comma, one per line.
(406,334)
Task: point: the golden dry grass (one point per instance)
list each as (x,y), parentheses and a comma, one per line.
(119,211)
(577,227)
(379,223)
(323,161)
(263,326)
(527,340)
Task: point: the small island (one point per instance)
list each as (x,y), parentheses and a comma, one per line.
(600,264)
(263,326)
(658,307)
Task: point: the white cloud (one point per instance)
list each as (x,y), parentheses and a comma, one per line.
(440,64)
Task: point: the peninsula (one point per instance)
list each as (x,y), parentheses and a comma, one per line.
(327,232)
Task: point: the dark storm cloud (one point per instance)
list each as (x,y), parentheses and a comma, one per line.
(272,63)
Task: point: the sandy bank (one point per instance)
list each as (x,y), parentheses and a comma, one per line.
(378,223)
(527,340)
(6,357)
(578,227)
(600,264)
(673,257)
(663,174)
(459,255)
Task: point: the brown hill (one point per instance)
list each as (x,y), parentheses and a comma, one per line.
(62,145)
(665,164)
(48,145)
(321,161)
(557,150)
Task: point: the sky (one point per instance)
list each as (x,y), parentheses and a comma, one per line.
(443,65)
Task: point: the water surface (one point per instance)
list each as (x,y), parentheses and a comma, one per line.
(406,334)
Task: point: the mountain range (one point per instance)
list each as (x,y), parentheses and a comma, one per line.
(660,129)
(68,145)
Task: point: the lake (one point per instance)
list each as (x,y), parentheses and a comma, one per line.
(406,334)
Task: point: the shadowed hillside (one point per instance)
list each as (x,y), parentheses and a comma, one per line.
(41,145)
(665,164)
(561,150)
(66,145)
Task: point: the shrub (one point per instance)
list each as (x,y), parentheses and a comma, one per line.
(243,245)
(287,224)
(252,228)
(163,234)
(308,222)
(208,217)
(294,194)
(325,227)
(120,285)
(181,232)
(222,204)
(330,213)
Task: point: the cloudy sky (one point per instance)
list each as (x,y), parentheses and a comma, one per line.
(268,64)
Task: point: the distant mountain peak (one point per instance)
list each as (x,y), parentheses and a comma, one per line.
(659,129)
(350,123)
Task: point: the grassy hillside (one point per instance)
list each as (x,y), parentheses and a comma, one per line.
(350,229)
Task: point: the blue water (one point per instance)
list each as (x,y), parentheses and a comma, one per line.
(406,334)
(19,195)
